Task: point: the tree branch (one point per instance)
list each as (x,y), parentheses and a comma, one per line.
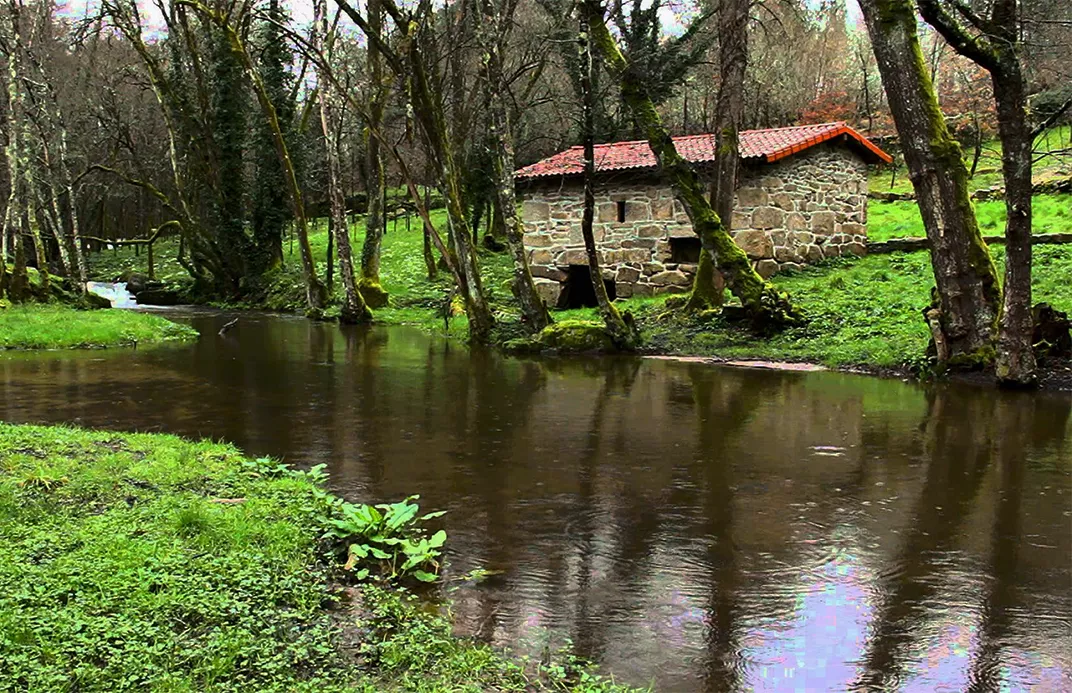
(975,48)
(1051,120)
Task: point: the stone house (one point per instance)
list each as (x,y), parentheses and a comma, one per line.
(801,197)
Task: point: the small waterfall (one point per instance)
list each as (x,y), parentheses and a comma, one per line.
(115,292)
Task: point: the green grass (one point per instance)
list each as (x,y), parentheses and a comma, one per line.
(413,299)
(886,220)
(122,572)
(862,312)
(51,326)
(988,173)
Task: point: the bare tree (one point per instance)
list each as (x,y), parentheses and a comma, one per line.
(498,18)
(354,309)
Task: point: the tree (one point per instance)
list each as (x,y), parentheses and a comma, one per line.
(497,20)
(729,113)
(620,333)
(270,212)
(376,177)
(315,292)
(766,307)
(412,63)
(354,309)
(964,315)
(994,43)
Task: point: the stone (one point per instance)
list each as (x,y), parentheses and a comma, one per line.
(813,253)
(138,282)
(627,274)
(538,240)
(782,201)
(768,218)
(853,229)
(795,222)
(548,289)
(800,238)
(669,278)
(607,212)
(671,289)
(855,248)
(539,257)
(548,273)
(573,256)
(751,197)
(766,268)
(636,255)
(535,210)
(740,220)
(791,267)
(650,231)
(637,211)
(643,290)
(663,209)
(680,231)
(623,289)
(822,222)
(651,268)
(158,297)
(784,253)
(756,244)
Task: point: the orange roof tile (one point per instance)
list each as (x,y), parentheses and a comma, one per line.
(767,145)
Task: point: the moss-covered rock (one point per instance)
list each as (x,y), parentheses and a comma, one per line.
(575,336)
(373,293)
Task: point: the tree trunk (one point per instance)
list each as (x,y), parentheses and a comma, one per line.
(996,49)
(369,284)
(708,286)
(620,333)
(1015,363)
(533,310)
(354,309)
(17,282)
(767,308)
(968,292)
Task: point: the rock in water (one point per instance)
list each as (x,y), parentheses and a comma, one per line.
(158,297)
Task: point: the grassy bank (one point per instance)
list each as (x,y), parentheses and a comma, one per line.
(147,562)
(862,311)
(53,326)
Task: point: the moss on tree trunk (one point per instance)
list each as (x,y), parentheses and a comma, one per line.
(767,308)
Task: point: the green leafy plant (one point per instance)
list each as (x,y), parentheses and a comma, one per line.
(387,541)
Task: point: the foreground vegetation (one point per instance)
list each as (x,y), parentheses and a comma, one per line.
(146,562)
(54,326)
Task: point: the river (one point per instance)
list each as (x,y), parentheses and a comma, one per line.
(692,526)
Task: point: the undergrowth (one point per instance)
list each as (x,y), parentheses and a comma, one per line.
(139,562)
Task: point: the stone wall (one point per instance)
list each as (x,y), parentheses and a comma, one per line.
(804,208)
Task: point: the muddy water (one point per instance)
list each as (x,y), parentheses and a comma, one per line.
(697,527)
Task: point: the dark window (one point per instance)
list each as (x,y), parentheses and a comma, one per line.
(685,249)
(621,211)
(578,292)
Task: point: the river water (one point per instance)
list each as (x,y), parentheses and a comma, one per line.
(696,527)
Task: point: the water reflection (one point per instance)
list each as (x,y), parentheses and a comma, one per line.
(706,529)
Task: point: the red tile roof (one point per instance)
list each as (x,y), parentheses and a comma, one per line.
(767,145)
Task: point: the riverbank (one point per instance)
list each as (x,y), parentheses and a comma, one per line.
(55,326)
(864,313)
(138,561)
